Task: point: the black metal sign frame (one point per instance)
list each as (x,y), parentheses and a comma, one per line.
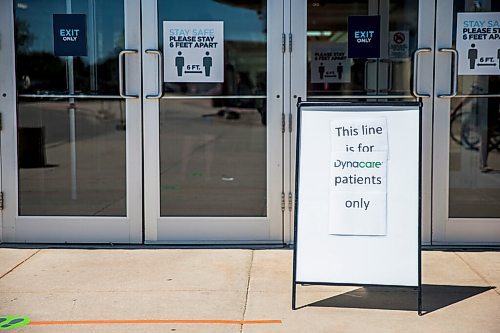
(301,104)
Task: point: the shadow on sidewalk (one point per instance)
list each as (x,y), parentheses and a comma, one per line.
(434,297)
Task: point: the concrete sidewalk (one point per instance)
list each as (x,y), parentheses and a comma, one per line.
(227,290)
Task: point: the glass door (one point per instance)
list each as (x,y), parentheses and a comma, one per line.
(466,196)
(71,148)
(213,139)
(322,69)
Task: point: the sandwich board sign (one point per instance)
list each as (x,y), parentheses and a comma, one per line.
(357,210)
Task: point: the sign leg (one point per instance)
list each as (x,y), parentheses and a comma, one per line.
(420,300)
(294,296)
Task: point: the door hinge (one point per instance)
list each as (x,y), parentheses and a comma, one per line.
(283,42)
(1,200)
(290,118)
(290,41)
(282,201)
(283,123)
(290,201)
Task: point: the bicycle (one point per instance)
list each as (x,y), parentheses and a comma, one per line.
(467,121)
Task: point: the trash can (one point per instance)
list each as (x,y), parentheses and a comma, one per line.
(31,143)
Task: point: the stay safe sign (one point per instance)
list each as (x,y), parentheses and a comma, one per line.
(193,51)
(70,35)
(329,63)
(478,43)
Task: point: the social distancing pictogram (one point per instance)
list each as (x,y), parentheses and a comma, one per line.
(478,43)
(193,51)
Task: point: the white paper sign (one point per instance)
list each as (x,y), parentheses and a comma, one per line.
(478,43)
(358,176)
(360,172)
(360,221)
(329,63)
(399,44)
(193,51)
(359,135)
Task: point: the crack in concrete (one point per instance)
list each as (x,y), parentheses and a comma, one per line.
(477,272)
(248,289)
(22,262)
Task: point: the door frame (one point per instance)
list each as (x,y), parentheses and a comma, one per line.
(290,34)
(456,231)
(213,230)
(422,81)
(7,92)
(71,229)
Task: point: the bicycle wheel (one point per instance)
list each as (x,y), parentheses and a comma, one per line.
(470,136)
(494,142)
(455,125)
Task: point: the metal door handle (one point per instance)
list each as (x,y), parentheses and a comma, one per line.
(121,73)
(415,71)
(454,85)
(368,61)
(159,94)
(389,75)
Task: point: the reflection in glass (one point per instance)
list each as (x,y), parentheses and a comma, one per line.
(213,150)
(40,72)
(71,152)
(45,180)
(244,44)
(475,157)
(212,163)
(327,29)
(474,172)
